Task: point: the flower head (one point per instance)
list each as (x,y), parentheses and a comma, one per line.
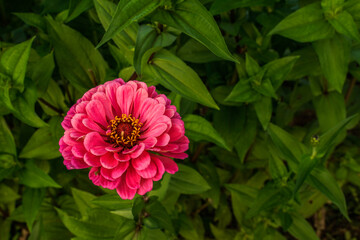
(126,133)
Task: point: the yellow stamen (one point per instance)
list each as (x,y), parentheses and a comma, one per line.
(124,131)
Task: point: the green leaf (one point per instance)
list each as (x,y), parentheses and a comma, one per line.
(267,198)
(199,129)
(42,145)
(34,177)
(161,192)
(7,146)
(247,136)
(77,7)
(32,19)
(243,92)
(55,97)
(241,194)
(307,24)
(5,100)
(195,52)
(78,60)
(7,194)
(332,5)
(124,40)
(192,18)
(291,148)
(187,180)
(99,225)
(330,110)
(307,164)
(307,64)
(148,38)
(40,72)
(248,194)
(278,69)
(344,24)
(13,63)
(264,87)
(126,13)
(83,201)
(24,107)
(277,168)
(174,74)
(251,66)
(158,216)
(126,230)
(328,139)
(220,6)
(263,109)
(112,202)
(301,229)
(353,7)
(334,56)
(322,179)
(32,199)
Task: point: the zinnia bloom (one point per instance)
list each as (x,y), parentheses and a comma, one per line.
(126,133)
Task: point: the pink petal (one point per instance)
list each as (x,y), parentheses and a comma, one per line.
(78,150)
(90,124)
(77,124)
(105,183)
(92,160)
(169,164)
(78,163)
(149,172)
(138,151)
(132,178)
(131,150)
(66,123)
(94,175)
(160,167)
(153,114)
(94,143)
(154,131)
(67,153)
(108,161)
(177,130)
(140,96)
(145,186)
(68,139)
(169,112)
(163,140)
(110,92)
(96,112)
(100,96)
(124,191)
(150,142)
(141,162)
(122,157)
(125,96)
(114,149)
(147,106)
(119,169)
(81,107)
(106,173)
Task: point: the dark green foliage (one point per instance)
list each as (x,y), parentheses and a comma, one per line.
(268,91)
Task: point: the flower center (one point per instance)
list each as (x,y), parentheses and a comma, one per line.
(124,131)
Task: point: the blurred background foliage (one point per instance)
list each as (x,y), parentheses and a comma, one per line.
(268,89)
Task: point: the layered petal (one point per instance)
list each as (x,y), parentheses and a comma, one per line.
(116,128)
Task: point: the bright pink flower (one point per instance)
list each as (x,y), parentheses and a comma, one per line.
(126,133)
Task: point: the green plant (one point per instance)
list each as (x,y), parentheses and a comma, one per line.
(268,90)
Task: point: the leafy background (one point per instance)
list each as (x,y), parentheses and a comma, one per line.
(268,90)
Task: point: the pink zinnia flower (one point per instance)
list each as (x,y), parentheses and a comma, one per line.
(126,133)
